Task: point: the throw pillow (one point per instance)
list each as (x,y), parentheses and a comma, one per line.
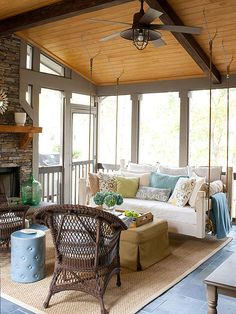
(107,182)
(144,178)
(197,187)
(203,172)
(141,167)
(174,171)
(215,187)
(127,187)
(163,181)
(93,183)
(182,191)
(149,193)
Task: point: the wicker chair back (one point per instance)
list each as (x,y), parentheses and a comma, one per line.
(86,240)
(12,218)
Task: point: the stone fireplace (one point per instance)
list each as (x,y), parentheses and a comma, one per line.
(10,181)
(15,163)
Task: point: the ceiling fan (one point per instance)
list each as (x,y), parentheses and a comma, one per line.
(142,31)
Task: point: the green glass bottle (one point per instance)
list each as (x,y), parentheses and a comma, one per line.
(31,191)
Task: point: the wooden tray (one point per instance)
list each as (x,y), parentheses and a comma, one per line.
(143,219)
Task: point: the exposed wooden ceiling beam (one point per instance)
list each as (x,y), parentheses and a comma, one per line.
(53,12)
(186,40)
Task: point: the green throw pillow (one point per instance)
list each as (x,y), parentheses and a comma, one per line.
(127,187)
(164,181)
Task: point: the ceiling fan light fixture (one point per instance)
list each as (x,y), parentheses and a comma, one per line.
(140,38)
(142,30)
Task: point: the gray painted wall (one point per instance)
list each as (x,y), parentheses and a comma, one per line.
(164,86)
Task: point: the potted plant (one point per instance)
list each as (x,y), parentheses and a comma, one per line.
(110,199)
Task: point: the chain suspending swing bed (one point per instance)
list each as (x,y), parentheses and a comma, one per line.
(213,203)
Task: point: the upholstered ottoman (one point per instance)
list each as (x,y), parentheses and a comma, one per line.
(144,246)
(27,255)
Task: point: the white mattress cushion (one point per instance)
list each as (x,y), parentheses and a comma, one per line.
(215,172)
(174,171)
(161,210)
(141,167)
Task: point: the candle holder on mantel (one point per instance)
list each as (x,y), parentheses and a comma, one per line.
(20,118)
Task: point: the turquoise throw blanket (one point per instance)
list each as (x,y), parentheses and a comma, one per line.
(220,215)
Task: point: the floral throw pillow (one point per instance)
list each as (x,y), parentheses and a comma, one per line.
(149,193)
(107,182)
(182,191)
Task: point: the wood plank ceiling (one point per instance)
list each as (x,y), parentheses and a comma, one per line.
(74,40)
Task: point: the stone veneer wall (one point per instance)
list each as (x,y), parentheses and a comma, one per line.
(10,154)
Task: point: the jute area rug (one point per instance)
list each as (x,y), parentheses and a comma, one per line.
(137,288)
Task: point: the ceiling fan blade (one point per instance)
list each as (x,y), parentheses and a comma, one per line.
(158,43)
(110,37)
(109,22)
(176,28)
(150,16)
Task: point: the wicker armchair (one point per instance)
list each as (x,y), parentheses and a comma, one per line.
(86,240)
(12,218)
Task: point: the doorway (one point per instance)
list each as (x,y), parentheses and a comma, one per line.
(51,145)
(83,148)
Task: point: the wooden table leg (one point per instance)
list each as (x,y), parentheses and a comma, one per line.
(212,296)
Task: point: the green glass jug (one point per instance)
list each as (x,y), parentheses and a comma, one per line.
(31,191)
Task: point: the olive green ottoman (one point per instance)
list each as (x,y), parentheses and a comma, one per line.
(144,246)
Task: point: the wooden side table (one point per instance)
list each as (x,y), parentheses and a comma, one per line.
(222,280)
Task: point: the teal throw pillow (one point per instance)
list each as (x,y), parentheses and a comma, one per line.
(164,181)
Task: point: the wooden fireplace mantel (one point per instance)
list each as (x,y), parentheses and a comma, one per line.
(27,131)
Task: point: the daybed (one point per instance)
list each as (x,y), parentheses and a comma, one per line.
(185,220)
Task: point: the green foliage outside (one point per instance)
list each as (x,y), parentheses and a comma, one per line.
(76,154)
(159,128)
(199,128)
(56,148)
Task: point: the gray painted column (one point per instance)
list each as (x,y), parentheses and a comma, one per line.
(68,73)
(67,148)
(135,127)
(36,59)
(95,141)
(24,83)
(184,128)
(36,90)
